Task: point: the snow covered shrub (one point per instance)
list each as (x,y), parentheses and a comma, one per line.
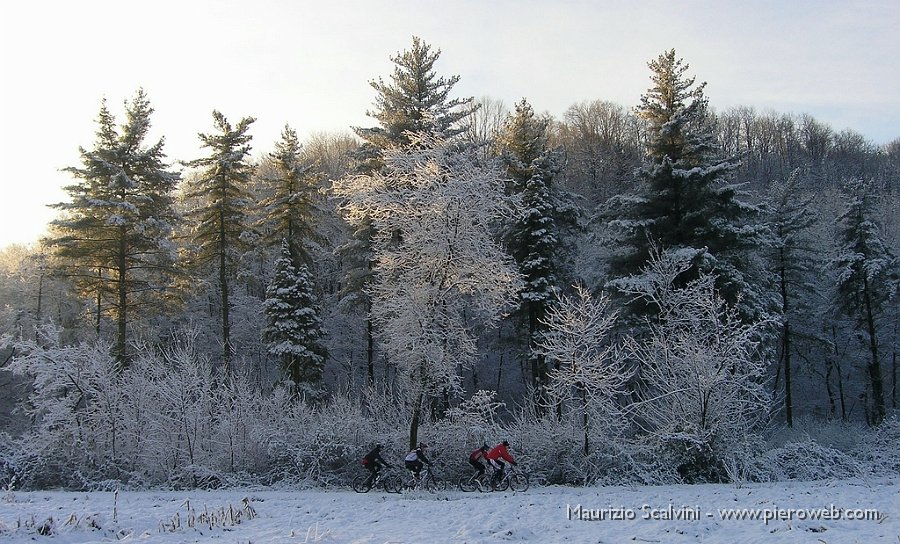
(880,452)
(281,430)
(178,442)
(164,419)
(545,445)
(699,372)
(806,460)
(551,449)
(322,444)
(815,450)
(76,403)
(464,428)
(239,413)
(10,463)
(845,436)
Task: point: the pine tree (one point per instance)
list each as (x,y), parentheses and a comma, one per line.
(682,201)
(113,236)
(415,100)
(868,276)
(287,213)
(294,328)
(535,239)
(221,218)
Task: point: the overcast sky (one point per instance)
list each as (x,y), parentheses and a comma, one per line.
(308,64)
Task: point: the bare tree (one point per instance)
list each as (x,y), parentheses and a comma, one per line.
(589,373)
(484,124)
(436,261)
(702,374)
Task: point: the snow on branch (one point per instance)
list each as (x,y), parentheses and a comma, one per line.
(436,262)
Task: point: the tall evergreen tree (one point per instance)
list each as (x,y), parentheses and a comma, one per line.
(683,201)
(113,236)
(535,239)
(868,276)
(294,328)
(221,217)
(791,215)
(415,100)
(287,213)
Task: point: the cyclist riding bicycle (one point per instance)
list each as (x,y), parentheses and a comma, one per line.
(415,459)
(476,457)
(494,457)
(373,462)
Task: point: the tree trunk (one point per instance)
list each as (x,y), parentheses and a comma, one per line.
(414,422)
(294,366)
(786,345)
(538,364)
(122,291)
(584,419)
(223,286)
(788,387)
(894,368)
(370,352)
(99,298)
(840,381)
(840,378)
(500,361)
(875,376)
(829,369)
(40,298)
(894,383)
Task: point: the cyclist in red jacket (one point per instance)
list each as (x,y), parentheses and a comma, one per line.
(494,457)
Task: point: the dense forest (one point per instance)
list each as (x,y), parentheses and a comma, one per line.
(650,294)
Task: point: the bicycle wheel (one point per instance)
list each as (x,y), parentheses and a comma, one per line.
(432,484)
(468,483)
(502,485)
(392,484)
(518,482)
(360,485)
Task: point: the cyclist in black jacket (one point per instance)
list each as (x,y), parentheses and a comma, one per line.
(476,457)
(373,462)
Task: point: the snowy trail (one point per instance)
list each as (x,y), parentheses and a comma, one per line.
(547,514)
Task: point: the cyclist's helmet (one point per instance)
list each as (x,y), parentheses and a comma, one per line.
(377,446)
(484,447)
(506,443)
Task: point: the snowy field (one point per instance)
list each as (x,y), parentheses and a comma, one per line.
(548,514)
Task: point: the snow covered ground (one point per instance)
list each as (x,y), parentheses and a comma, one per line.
(542,514)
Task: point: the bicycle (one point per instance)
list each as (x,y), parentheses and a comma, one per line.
(391,483)
(476,482)
(513,479)
(426,481)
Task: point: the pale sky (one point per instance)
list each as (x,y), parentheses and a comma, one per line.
(308,64)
